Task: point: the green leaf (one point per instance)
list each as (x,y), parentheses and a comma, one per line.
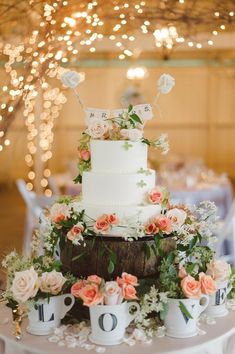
(147,250)
(113,257)
(110,267)
(193,242)
(170,258)
(101,252)
(136,118)
(130,107)
(78,179)
(184,310)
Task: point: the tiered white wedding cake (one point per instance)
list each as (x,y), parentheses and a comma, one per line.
(119,182)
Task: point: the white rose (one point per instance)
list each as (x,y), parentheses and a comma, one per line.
(97,128)
(51,282)
(132,134)
(219,270)
(177,216)
(165,83)
(59,212)
(111,293)
(71,79)
(25,285)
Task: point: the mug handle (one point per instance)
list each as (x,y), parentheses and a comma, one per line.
(66,308)
(131,317)
(229,288)
(205,299)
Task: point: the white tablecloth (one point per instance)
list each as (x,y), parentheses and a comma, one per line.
(219,339)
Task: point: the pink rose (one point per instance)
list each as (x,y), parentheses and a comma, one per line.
(97,128)
(155,196)
(129,292)
(191,287)
(102,225)
(164,224)
(91,295)
(182,273)
(208,285)
(84,155)
(113,219)
(127,279)
(52,282)
(112,293)
(75,289)
(25,285)
(94,279)
(219,270)
(151,229)
(76,232)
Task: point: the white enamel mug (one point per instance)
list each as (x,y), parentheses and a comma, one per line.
(109,322)
(48,314)
(217,307)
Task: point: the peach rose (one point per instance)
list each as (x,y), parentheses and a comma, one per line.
(76,232)
(94,279)
(191,287)
(51,282)
(219,270)
(127,279)
(97,128)
(75,289)
(208,285)
(113,219)
(91,295)
(151,229)
(112,293)
(164,224)
(25,285)
(102,225)
(155,196)
(59,212)
(85,155)
(182,273)
(129,292)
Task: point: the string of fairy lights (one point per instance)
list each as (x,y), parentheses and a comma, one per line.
(59,31)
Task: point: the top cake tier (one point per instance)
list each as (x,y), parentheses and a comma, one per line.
(118,156)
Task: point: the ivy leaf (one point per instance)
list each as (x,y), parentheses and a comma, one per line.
(184,310)
(110,267)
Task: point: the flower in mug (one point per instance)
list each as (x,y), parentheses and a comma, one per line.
(91,295)
(97,128)
(208,285)
(151,228)
(127,279)
(84,155)
(165,83)
(25,285)
(191,287)
(177,216)
(52,282)
(113,219)
(59,212)
(71,79)
(94,279)
(163,223)
(182,273)
(102,224)
(132,134)
(75,289)
(219,270)
(76,232)
(111,293)
(129,292)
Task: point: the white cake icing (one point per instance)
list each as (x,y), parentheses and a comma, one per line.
(112,157)
(118,183)
(116,189)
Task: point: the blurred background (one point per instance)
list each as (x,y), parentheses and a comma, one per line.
(121,48)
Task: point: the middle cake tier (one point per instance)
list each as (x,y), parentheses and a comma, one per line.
(117,189)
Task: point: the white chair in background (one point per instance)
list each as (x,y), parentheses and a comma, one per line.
(34,206)
(225,233)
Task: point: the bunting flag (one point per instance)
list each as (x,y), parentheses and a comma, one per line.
(144,111)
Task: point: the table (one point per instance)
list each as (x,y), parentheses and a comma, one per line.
(220,339)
